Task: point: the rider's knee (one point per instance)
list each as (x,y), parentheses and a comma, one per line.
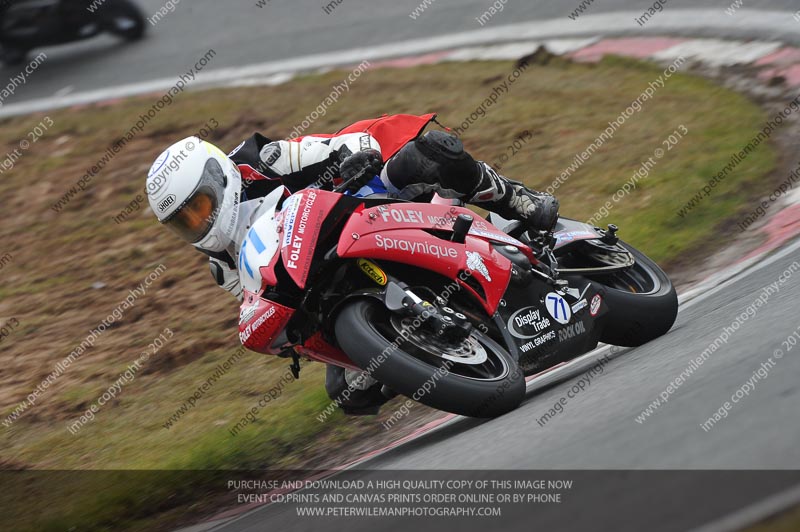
(436,158)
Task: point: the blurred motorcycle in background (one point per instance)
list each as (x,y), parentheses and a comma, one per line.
(28,24)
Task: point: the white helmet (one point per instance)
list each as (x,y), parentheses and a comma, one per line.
(194,189)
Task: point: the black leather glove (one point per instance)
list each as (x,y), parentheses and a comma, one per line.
(363,166)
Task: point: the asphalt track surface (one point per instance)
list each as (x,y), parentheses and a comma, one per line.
(598,431)
(243,34)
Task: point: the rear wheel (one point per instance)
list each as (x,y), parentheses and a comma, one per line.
(474,377)
(643,302)
(12,56)
(123,19)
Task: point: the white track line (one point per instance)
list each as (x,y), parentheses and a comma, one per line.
(718,52)
(777,24)
(730,275)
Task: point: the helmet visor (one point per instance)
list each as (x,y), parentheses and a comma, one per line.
(193,220)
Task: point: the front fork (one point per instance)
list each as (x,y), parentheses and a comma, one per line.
(443,320)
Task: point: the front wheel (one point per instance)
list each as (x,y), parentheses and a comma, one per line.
(475,377)
(643,302)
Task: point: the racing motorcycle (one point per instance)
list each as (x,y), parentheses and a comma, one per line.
(27,24)
(436,303)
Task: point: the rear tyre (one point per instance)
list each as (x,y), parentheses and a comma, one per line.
(365,331)
(11,56)
(123,19)
(642,301)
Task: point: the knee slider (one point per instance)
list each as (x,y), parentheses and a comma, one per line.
(457,170)
(436,159)
(441,147)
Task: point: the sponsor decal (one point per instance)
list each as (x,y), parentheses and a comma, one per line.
(558,308)
(271,153)
(436,250)
(538,341)
(594,308)
(236,149)
(248,331)
(373,271)
(402,215)
(440,222)
(580,305)
(569,236)
(527,323)
(304,208)
(500,237)
(476,264)
(576,294)
(234,215)
(168,202)
(289,213)
(246,313)
(571,331)
(364,143)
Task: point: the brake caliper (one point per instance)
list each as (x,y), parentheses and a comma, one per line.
(444,322)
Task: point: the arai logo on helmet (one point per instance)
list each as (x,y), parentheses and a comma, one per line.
(164,205)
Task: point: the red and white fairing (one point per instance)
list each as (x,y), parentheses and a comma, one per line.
(261,321)
(303,214)
(399,233)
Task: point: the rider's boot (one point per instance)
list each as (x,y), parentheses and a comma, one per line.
(355,392)
(514,201)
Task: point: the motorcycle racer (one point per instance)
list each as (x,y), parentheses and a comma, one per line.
(208,197)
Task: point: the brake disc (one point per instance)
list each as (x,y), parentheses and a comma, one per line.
(468,351)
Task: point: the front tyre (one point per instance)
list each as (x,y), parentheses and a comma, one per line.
(488,384)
